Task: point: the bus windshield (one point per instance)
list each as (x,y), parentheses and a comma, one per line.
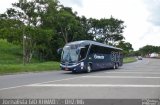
(74,52)
(70,54)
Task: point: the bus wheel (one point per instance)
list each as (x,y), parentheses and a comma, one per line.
(74,71)
(89,69)
(116,65)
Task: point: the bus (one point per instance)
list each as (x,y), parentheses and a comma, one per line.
(86,55)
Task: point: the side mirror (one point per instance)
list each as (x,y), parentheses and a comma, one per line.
(59,51)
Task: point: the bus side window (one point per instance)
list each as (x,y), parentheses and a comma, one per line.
(83,52)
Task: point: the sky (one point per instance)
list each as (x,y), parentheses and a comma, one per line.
(141,17)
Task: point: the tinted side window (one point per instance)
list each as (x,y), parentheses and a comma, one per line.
(100,49)
(83,52)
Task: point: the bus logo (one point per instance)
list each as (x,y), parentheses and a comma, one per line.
(98,57)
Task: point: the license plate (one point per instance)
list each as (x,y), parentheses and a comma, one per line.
(66,69)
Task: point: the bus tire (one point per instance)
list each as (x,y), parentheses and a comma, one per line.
(89,68)
(116,65)
(73,71)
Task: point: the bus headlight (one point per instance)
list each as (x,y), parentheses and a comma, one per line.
(82,64)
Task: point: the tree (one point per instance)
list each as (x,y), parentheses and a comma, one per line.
(148,49)
(32,15)
(126,46)
(70,26)
(85,27)
(10,30)
(47,25)
(108,31)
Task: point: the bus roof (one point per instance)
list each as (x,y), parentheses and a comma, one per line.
(94,43)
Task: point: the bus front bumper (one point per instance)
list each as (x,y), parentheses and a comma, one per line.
(74,67)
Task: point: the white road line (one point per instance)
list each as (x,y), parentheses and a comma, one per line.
(145,77)
(94,85)
(59,80)
(11,87)
(134,72)
(38,83)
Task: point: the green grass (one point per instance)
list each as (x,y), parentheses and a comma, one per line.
(11,60)
(34,67)
(10,53)
(129,59)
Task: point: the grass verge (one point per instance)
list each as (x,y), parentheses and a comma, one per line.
(129,59)
(34,67)
(16,68)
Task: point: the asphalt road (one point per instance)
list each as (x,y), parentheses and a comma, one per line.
(136,80)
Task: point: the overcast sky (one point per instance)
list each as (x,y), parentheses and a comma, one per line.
(141,17)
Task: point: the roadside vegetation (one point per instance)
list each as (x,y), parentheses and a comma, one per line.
(33,67)
(129,59)
(10,53)
(43,26)
(11,60)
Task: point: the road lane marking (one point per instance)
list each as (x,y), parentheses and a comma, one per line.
(59,80)
(94,85)
(11,87)
(38,83)
(133,72)
(138,77)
